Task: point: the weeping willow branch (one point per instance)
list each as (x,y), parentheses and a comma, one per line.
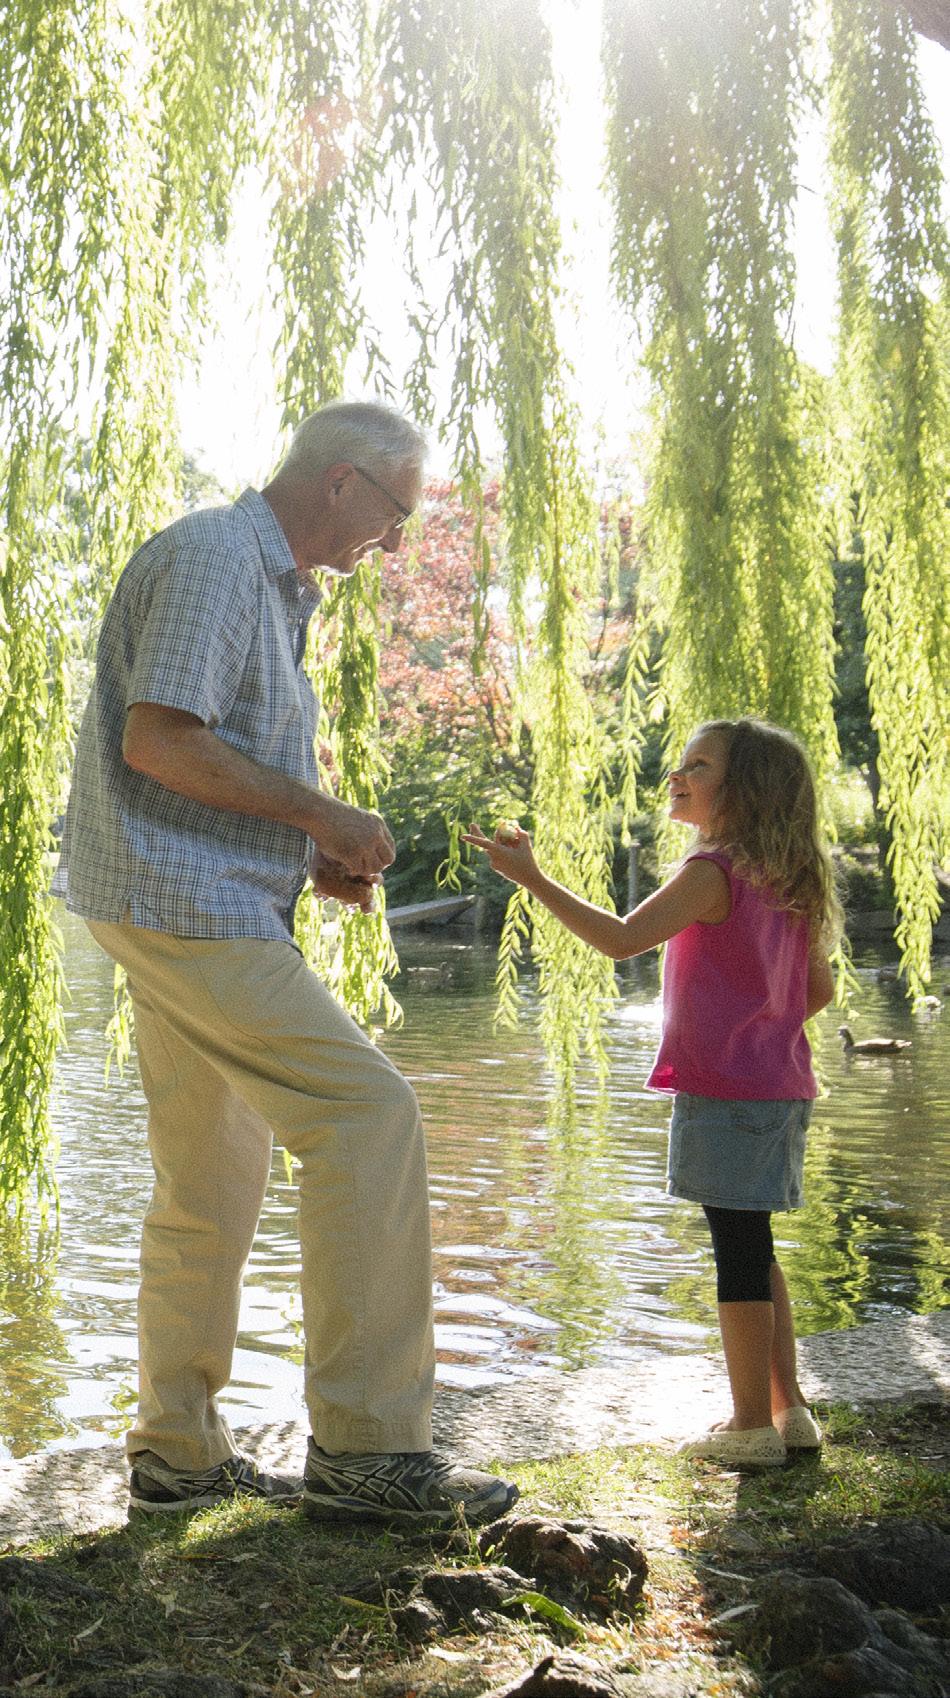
(184,125)
(702,106)
(894,394)
(323,168)
(32,731)
(54,147)
(323,171)
(124,125)
(120,131)
(353,952)
(471,104)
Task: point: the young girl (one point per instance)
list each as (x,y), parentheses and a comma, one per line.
(750,915)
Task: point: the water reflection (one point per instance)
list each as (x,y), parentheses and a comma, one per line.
(554,1243)
(32,1346)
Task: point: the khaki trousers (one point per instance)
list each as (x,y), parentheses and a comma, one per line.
(238,1039)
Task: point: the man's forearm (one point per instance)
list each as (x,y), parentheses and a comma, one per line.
(181,752)
(195,762)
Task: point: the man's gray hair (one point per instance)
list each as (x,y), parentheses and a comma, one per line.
(358,432)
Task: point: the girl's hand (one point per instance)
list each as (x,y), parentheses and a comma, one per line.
(509,853)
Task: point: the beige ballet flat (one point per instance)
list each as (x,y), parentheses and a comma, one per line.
(744,1447)
(799,1428)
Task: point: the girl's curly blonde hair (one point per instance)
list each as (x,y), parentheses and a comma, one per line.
(766,819)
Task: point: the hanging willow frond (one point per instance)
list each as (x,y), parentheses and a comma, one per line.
(124,125)
(472,97)
(120,130)
(185,126)
(353,952)
(894,398)
(54,150)
(702,107)
(187,122)
(323,168)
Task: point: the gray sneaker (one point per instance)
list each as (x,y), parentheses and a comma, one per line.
(415,1486)
(155,1488)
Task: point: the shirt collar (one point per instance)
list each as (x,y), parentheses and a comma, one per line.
(311,595)
(275,549)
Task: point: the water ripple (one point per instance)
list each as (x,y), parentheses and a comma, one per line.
(551,1247)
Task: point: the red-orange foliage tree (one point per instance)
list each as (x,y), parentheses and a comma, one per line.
(451,737)
(448,734)
(427,603)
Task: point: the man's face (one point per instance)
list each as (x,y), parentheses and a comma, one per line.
(367,510)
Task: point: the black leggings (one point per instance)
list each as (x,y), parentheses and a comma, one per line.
(744,1252)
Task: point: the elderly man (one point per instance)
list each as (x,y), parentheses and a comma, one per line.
(194,818)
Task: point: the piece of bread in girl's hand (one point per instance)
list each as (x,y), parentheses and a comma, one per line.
(506,831)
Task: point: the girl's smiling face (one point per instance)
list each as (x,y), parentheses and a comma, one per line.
(696,782)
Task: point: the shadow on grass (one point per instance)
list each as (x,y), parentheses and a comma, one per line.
(246,1598)
(243,1592)
(865,1512)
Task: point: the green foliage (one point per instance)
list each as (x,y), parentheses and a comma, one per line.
(183,110)
(472,97)
(856,734)
(353,952)
(862,885)
(32,727)
(894,398)
(452,752)
(323,168)
(53,146)
(123,131)
(701,128)
(323,172)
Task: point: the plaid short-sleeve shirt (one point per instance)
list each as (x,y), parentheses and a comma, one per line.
(210,616)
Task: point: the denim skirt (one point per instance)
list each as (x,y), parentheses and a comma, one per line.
(737,1155)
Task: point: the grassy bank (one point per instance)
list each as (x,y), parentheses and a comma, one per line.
(259,1600)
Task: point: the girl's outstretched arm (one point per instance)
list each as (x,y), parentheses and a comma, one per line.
(698,891)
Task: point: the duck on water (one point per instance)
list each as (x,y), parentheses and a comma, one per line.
(871,1046)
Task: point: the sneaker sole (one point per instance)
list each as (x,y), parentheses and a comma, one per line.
(178,1506)
(319,1508)
(188,1506)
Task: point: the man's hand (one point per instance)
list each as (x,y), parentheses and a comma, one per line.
(355,839)
(332,880)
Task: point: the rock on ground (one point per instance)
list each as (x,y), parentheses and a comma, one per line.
(905,1564)
(566,1675)
(823,1642)
(589,1568)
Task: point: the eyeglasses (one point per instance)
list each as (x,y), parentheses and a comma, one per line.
(404,512)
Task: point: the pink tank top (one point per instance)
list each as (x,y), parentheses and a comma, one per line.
(734,1002)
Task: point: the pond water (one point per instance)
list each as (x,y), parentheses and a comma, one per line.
(553,1246)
